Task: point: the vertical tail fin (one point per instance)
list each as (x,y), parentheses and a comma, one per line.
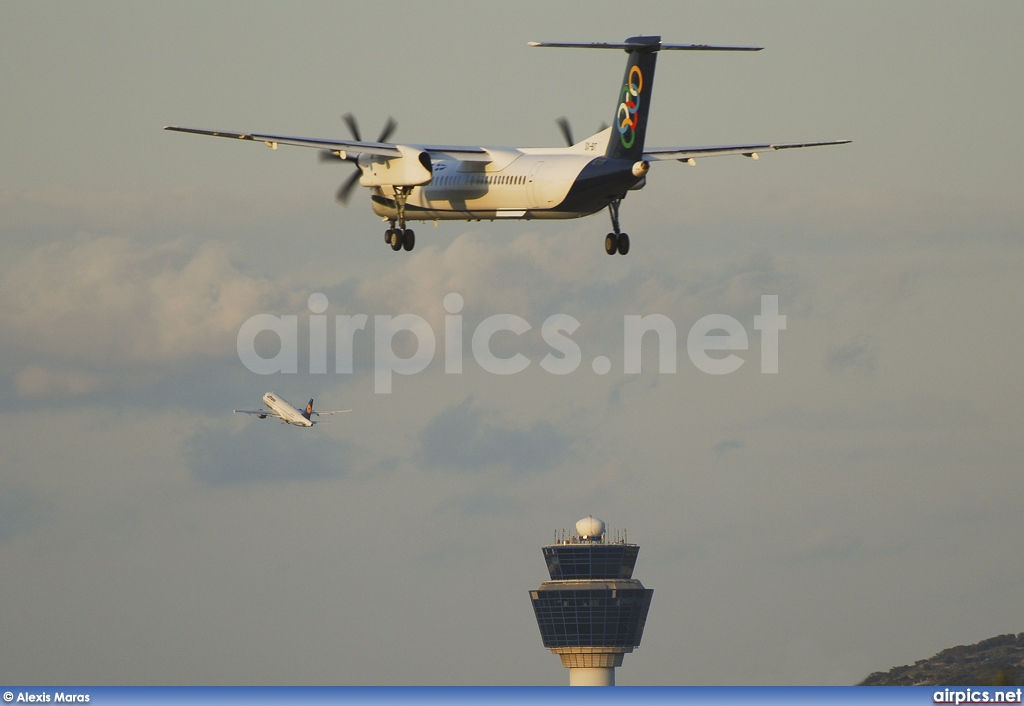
(634,101)
(629,128)
(309,409)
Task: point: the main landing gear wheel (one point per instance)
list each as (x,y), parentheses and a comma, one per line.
(616,241)
(616,244)
(399,238)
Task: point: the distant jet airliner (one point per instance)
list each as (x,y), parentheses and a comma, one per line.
(418,182)
(280,408)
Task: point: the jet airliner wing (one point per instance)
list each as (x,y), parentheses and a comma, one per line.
(685,153)
(384,149)
(259,412)
(330,411)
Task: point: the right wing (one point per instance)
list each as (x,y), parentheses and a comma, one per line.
(330,411)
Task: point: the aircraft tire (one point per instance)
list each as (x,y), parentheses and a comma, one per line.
(396,240)
(623,244)
(387,237)
(408,240)
(611,243)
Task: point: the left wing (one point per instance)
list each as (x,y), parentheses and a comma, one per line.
(331,411)
(259,412)
(685,153)
(345,147)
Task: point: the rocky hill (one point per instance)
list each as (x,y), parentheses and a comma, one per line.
(997,661)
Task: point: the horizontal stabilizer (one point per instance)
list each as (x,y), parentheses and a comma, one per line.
(643,46)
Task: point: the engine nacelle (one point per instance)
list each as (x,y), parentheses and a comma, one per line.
(411,169)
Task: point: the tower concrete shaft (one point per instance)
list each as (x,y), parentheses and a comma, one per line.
(592,611)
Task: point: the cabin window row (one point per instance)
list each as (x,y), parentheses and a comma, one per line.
(481,179)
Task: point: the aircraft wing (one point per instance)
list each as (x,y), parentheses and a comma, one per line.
(330,411)
(685,153)
(384,149)
(260,412)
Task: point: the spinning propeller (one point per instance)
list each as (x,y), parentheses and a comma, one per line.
(345,190)
(563,124)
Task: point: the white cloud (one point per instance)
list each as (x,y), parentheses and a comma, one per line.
(86,307)
(37,381)
(493,273)
(60,206)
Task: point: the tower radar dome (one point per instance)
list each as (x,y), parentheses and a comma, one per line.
(590,527)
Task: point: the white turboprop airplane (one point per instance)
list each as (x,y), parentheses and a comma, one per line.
(280,408)
(416,182)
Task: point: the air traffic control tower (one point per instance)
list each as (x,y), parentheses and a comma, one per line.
(592,611)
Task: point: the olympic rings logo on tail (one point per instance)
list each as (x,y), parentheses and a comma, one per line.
(627,115)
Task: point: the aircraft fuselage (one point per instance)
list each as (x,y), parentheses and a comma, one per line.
(517,183)
(287,412)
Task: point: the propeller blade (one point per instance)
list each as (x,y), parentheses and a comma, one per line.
(353,126)
(389,127)
(563,123)
(346,188)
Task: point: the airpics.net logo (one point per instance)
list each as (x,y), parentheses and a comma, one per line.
(713,332)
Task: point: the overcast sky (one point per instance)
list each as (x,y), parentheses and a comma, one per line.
(860,509)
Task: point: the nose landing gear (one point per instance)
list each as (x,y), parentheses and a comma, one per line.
(400,237)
